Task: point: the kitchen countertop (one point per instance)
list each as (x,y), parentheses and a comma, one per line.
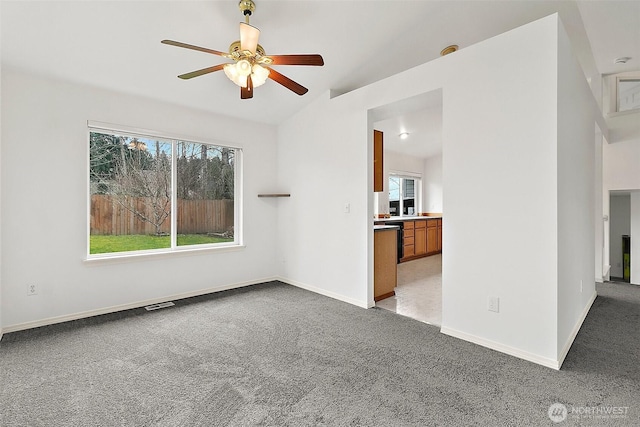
(405,218)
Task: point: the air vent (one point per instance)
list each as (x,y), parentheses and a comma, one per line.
(159,306)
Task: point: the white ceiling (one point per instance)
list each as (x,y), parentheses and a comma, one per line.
(116,44)
(419,116)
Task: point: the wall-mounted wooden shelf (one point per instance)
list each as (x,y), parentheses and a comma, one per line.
(275,195)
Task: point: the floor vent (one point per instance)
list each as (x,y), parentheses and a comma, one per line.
(159,306)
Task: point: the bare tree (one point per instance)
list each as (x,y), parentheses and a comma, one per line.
(142,183)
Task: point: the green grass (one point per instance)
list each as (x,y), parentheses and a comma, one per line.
(137,242)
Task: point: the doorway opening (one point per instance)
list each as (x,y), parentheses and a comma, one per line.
(624,236)
(411,198)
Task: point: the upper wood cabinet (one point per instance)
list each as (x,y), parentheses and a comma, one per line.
(378,157)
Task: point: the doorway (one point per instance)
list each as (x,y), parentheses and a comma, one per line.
(412,152)
(619,232)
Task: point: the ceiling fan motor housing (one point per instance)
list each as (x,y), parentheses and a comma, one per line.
(247,7)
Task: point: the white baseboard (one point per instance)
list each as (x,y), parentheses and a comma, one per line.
(531,357)
(359,303)
(138,304)
(576,329)
(512,351)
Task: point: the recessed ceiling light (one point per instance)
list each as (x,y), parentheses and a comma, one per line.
(404,135)
(621,60)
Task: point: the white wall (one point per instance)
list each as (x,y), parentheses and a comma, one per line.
(620,220)
(500,176)
(0,201)
(500,180)
(601,256)
(321,247)
(635,237)
(577,112)
(44,203)
(620,165)
(432,184)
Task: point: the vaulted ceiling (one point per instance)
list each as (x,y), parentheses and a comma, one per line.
(116,44)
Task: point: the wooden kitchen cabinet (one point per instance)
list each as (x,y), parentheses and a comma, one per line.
(378,167)
(385,256)
(420,237)
(408,241)
(432,236)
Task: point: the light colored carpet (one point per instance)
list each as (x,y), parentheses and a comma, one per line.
(419,291)
(276,355)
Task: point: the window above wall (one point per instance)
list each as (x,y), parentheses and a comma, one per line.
(151,194)
(621,94)
(627,93)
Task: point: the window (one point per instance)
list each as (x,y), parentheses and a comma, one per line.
(156,194)
(628,94)
(404,195)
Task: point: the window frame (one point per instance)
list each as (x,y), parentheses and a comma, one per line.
(617,92)
(174,140)
(417,190)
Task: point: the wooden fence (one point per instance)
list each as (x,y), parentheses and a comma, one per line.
(108,217)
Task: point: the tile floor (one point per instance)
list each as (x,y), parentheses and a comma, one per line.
(419,290)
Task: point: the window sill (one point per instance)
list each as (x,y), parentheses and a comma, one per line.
(143,256)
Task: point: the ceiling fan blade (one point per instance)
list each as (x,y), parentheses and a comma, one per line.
(201,72)
(247,92)
(287,82)
(297,60)
(190,46)
(249,37)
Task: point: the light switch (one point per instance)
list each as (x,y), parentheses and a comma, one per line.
(347,208)
(493,304)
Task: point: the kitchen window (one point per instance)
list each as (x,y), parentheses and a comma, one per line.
(404,195)
(153,194)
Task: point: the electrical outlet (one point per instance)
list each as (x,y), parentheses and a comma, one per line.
(494,304)
(32,289)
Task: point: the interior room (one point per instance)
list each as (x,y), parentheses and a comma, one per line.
(208,214)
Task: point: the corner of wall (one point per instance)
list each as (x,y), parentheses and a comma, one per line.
(577,116)
(0,202)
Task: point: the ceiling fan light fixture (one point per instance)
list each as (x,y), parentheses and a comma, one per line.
(259,75)
(251,66)
(243,67)
(231,71)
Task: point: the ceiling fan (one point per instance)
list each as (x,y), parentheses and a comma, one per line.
(251,66)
